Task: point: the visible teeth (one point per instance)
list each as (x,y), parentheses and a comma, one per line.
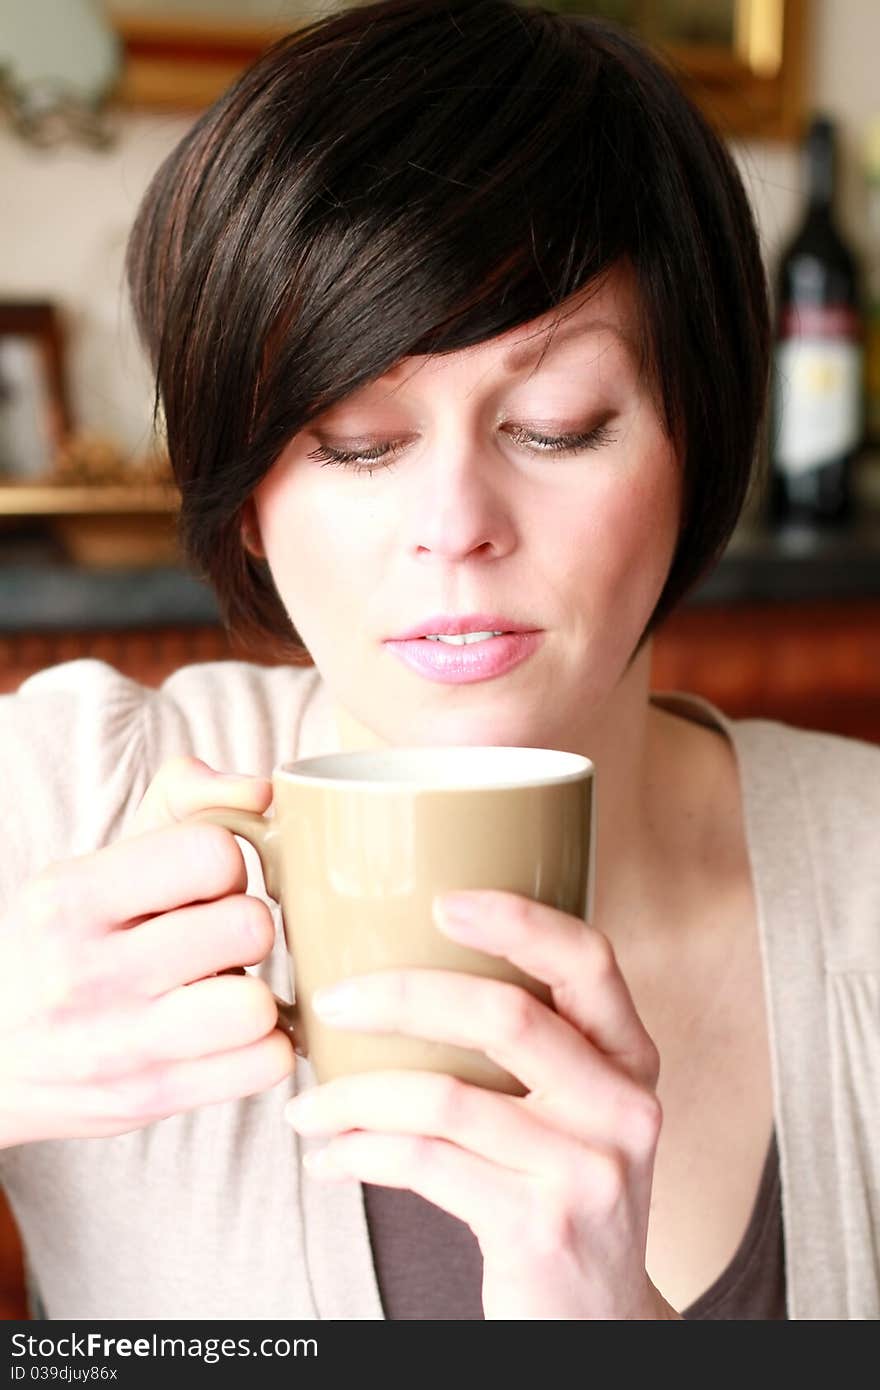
(464,637)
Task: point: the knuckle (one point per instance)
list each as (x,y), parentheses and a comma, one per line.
(93,982)
(516,1014)
(399,993)
(171,773)
(541,1228)
(515,1227)
(518,909)
(45,899)
(170,791)
(103,1050)
(644,1121)
(217,854)
(607,1182)
(66,964)
(419,1152)
(556,1231)
(451,1101)
(258,1008)
(73,1054)
(277,1059)
(603,959)
(178,768)
(255,925)
(141,1097)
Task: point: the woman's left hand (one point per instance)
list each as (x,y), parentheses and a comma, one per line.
(556,1184)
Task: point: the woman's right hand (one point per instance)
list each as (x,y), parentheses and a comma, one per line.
(112,1012)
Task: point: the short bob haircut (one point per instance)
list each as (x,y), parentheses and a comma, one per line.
(417,176)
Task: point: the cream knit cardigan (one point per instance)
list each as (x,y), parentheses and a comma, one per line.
(211,1215)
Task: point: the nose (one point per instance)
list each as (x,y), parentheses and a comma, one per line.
(460,505)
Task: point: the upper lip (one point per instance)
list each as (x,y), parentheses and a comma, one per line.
(450,625)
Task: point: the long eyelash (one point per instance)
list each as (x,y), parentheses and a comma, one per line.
(566,443)
(549,444)
(342,458)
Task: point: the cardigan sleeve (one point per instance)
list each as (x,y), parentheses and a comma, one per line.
(72,765)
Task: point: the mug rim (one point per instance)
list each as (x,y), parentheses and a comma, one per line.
(314,771)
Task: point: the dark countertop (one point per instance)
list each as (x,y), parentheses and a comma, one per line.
(797,563)
(47,595)
(41,592)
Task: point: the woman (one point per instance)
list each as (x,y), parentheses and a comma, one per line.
(456,308)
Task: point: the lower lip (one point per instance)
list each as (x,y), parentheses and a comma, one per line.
(475,661)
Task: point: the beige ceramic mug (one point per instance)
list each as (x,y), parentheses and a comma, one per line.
(358,845)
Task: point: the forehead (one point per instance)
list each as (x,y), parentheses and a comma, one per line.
(608,309)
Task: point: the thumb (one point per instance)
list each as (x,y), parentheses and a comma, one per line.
(184,785)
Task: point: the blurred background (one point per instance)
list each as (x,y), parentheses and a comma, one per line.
(94,95)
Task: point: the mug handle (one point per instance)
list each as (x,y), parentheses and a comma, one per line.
(264,836)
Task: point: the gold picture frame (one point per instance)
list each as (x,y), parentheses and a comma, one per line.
(752,89)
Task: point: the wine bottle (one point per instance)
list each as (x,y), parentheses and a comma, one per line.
(872,334)
(818,367)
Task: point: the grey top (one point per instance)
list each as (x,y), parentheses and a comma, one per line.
(210,1214)
(429,1264)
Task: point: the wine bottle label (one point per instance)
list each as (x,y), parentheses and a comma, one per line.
(819,364)
(819,321)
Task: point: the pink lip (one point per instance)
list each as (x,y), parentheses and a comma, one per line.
(477,661)
(446,626)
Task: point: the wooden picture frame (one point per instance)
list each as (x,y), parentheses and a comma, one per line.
(35,416)
(126,521)
(754,89)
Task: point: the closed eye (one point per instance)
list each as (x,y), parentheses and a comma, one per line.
(382,454)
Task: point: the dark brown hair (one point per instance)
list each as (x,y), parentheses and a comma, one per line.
(417,176)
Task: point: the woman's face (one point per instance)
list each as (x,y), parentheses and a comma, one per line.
(480,512)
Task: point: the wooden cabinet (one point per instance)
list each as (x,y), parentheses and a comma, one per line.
(816,665)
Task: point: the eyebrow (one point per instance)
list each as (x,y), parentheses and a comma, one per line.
(526,353)
(529,350)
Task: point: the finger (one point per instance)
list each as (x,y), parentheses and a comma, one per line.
(210,1016)
(197,1020)
(497,1127)
(171,1088)
(185,785)
(515,1219)
(462,1184)
(134,879)
(547,1252)
(569,1078)
(179,947)
(569,955)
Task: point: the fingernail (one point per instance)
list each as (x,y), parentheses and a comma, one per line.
(335,1000)
(298,1108)
(456,912)
(322,1163)
(300,1111)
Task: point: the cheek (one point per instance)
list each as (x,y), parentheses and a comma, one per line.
(318,552)
(629,531)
